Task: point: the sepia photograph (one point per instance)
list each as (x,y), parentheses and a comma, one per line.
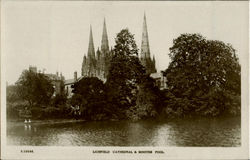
(130,79)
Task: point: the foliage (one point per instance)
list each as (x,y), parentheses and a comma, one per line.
(59,100)
(34,91)
(148,100)
(35,88)
(11,94)
(13,102)
(125,73)
(89,95)
(51,112)
(203,77)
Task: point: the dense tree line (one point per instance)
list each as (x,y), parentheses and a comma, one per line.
(119,97)
(34,92)
(203,79)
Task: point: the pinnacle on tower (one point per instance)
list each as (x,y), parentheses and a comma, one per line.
(91,49)
(153,59)
(98,53)
(145,52)
(105,43)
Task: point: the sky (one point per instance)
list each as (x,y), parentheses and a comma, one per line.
(53,35)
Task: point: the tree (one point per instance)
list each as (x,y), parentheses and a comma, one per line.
(125,73)
(35,88)
(203,76)
(148,100)
(13,102)
(11,94)
(90,96)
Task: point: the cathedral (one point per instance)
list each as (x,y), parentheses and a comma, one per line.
(96,63)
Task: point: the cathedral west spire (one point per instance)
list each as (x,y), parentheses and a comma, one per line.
(91,49)
(105,43)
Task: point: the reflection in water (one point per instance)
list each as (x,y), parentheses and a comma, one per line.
(162,136)
(195,132)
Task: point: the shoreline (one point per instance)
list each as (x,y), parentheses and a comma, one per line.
(60,121)
(42,122)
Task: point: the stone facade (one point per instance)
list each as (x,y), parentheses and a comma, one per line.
(69,83)
(96,64)
(56,80)
(160,80)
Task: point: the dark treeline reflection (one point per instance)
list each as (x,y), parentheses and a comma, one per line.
(196,132)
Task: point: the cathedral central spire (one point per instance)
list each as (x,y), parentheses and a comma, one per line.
(105,43)
(146,60)
(91,49)
(145,51)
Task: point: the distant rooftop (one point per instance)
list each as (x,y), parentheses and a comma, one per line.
(72,81)
(52,76)
(155,75)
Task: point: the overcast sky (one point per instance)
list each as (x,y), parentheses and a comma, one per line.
(54,35)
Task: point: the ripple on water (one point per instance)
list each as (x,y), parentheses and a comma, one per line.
(197,132)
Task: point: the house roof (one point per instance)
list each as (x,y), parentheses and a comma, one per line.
(69,81)
(155,75)
(53,76)
(72,81)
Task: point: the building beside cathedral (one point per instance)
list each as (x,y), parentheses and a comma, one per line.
(55,79)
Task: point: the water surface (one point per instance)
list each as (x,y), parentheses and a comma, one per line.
(217,132)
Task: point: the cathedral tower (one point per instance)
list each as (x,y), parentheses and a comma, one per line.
(91,49)
(105,42)
(145,52)
(89,62)
(146,60)
(105,53)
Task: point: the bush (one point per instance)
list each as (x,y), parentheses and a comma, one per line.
(12,112)
(51,112)
(37,113)
(13,109)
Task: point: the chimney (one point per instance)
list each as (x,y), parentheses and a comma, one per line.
(75,76)
(33,69)
(57,73)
